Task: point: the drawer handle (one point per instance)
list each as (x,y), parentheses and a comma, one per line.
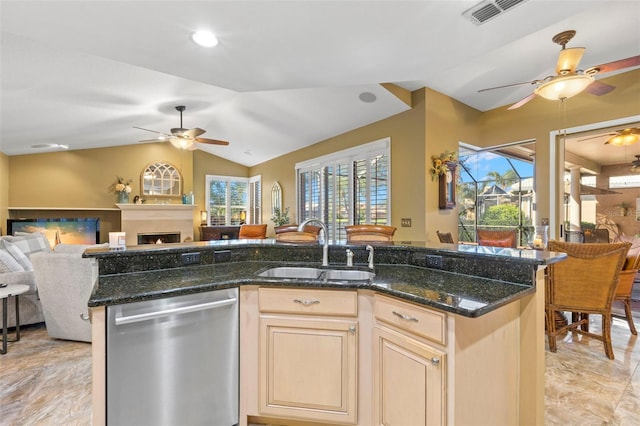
(306,302)
(435,361)
(405,317)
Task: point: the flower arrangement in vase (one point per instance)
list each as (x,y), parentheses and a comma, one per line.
(439,163)
(122,188)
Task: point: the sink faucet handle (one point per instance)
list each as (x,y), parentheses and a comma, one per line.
(349,257)
(370,250)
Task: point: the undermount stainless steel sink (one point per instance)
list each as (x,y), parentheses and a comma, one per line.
(293,272)
(348,274)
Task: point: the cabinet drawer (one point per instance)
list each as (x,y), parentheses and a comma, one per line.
(420,321)
(308,302)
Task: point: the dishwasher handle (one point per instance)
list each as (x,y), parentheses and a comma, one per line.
(121,320)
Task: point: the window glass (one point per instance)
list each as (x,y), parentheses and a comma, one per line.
(346,187)
(495,190)
(233,200)
(627,181)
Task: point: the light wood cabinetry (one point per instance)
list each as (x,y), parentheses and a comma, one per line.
(409,379)
(308,354)
(409,375)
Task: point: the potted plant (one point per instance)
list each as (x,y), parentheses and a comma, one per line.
(279,217)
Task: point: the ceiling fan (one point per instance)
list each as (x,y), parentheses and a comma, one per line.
(621,137)
(183,138)
(635,165)
(569,81)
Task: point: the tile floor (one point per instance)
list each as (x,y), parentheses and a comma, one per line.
(48,382)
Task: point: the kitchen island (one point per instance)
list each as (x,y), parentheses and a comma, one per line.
(477,323)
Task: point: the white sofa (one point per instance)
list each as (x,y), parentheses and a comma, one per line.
(60,282)
(16,268)
(65,280)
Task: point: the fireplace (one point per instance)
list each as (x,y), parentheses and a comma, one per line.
(158,237)
(157,220)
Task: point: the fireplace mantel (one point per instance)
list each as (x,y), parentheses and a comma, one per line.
(150,218)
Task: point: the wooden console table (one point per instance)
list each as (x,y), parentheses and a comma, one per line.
(208,233)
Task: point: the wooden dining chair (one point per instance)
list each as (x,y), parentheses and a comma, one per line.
(369,233)
(289,233)
(445,237)
(497,238)
(584,283)
(253,232)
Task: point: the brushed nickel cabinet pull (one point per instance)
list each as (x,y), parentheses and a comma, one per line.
(435,361)
(405,317)
(306,302)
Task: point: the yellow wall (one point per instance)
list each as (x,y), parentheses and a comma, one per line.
(4,191)
(406,131)
(447,122)
(53,182)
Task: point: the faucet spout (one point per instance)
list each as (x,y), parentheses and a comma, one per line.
(370,250)
(325,246)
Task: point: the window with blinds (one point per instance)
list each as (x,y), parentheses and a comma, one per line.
(347,187)
(233,200)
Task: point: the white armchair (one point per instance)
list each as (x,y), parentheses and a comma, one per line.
(65,282)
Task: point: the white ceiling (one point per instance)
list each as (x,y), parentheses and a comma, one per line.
(285,75)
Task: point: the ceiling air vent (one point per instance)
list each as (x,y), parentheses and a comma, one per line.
(489,9)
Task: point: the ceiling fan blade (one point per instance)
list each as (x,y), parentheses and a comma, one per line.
(595,137)
(193,133)
(633,61)
(569,59)
(152,140)
(211,141)
(522,101)
(148,130)
(599,88)
(510,85)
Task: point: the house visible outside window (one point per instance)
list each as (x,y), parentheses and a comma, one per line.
(495,190)
(233,200)
(347,187)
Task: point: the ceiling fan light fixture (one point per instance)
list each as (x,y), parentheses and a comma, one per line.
(626,137)
(564,86)
(181,143)
(204,38)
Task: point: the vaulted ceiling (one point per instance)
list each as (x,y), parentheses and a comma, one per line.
(285,74)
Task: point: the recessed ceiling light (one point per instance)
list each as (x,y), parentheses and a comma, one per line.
(367,97)
(204,38)
(50,146)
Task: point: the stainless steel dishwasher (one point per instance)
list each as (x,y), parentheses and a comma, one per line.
(174,361)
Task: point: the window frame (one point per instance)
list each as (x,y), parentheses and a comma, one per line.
(253,202)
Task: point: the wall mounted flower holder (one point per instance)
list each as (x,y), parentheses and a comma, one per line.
(447,187)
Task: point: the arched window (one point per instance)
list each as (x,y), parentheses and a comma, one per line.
(161,179)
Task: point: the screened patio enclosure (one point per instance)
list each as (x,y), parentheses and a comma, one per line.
(495,190)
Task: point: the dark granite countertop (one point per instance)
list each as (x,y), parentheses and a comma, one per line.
(474,280)
(451,292)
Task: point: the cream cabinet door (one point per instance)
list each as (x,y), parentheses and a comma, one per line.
(409,381)
(308,368)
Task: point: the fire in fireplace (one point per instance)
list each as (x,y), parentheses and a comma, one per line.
(158,238)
